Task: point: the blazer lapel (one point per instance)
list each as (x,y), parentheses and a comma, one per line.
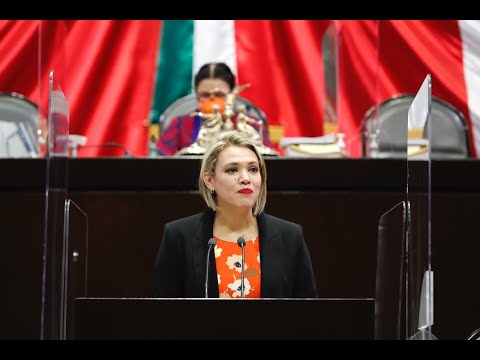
(267,256)
(199,251)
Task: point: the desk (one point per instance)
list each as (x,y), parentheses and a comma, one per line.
(194,319)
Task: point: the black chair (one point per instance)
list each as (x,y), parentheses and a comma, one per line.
(189,103)
(450,132)
(19,124)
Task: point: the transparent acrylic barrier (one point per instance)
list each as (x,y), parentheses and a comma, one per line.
(341,138)
(24,113)
(383,126)
(390,278)
(53,300)
(356,79)
(420,311)
(355,86)
(19,119)
(404,256)
(385,136)
(75,265)
(395,127)
(330,43)
(393,234)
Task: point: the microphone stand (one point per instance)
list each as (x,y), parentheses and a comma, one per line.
(211,244)
(242,291)
(241,243)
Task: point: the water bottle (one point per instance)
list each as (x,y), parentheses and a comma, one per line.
(341,144)
(152,147)
(373,145)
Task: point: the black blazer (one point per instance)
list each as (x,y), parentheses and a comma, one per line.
(286,268)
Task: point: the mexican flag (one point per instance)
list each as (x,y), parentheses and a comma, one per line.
(185,46)
(255,51)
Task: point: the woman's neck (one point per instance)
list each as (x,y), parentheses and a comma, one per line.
(229,226)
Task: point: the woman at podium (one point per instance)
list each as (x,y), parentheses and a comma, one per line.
(233,249)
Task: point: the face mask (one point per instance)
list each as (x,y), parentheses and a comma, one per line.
(206,104)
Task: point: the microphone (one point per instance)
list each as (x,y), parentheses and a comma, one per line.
(241,243)
(211,244)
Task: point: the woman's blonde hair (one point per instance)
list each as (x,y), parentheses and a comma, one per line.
(231,138)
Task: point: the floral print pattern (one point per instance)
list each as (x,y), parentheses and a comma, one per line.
(228,261)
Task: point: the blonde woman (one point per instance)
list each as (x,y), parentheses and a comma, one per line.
(274,263)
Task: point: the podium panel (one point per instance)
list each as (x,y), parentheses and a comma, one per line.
(220,319)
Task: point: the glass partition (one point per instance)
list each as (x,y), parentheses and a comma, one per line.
(384,122)
(393,229)
(343,138)
(340,85)
(403,112)
(66,224)
(53,297)
(404,282)
(34,123)
(74,267)
(330,70)
(390,308)
(385,136)
(346,77)
(358,78)
(20,116)
(420,274)
(395,129)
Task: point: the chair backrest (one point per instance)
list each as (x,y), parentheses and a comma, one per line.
(189,103)
(475,335)
(19,124)
(450,133)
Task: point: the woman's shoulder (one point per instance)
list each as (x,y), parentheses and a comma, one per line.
(186,221)
(278,222)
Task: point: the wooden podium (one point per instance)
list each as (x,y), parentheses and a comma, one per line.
(220,319)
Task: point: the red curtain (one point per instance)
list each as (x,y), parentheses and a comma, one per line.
(377,59)
(282,59)
(380,59)
(106,70)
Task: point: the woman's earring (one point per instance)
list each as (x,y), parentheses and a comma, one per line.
(212,192)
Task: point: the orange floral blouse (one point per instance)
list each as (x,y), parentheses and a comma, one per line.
(228,260)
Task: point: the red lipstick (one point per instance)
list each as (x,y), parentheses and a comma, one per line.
(246,191)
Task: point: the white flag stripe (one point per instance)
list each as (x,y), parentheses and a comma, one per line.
(470,35)
(214,41)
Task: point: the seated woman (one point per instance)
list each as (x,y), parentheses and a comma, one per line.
(212,84)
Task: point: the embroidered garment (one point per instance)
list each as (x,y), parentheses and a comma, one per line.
(183,131)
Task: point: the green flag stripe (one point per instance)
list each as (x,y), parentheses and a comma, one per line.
(174,69)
